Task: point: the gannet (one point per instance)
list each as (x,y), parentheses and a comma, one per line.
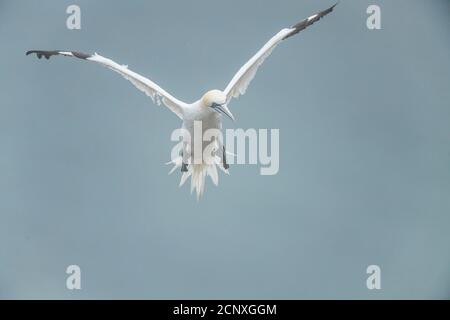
(208,110)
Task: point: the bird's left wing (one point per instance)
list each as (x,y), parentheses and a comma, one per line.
(147,86)
(238,85)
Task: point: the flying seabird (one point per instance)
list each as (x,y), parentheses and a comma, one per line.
(208,110)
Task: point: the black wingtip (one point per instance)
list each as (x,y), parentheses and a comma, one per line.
(47,54)
(309,21)
(38,53)
(33,51)
(331,9)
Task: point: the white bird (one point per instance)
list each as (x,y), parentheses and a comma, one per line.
(208,109)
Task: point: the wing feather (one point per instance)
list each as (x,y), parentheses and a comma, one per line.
(241,80)
(151,89)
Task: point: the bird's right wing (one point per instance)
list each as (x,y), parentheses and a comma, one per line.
(241,80)
(147,86)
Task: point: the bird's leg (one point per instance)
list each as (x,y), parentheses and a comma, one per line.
(224,158)
(184,161)
(222,153)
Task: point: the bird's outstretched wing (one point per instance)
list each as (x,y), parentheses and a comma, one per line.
(238,85)
(147,86)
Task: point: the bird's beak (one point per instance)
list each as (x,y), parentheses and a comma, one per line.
(223,109)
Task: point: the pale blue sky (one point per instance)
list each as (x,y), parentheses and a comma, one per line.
(364,156)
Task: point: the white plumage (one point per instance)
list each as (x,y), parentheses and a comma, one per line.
(208,110)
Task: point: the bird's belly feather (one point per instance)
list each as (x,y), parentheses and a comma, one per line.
(209,121)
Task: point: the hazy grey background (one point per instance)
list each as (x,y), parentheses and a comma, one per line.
(365,152)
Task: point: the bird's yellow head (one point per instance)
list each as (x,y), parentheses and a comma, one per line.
(217,100)
(214,97)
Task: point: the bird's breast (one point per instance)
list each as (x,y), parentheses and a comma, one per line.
(206,119)
(198,126)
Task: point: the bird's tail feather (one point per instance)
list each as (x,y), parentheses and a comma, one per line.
(198,173)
